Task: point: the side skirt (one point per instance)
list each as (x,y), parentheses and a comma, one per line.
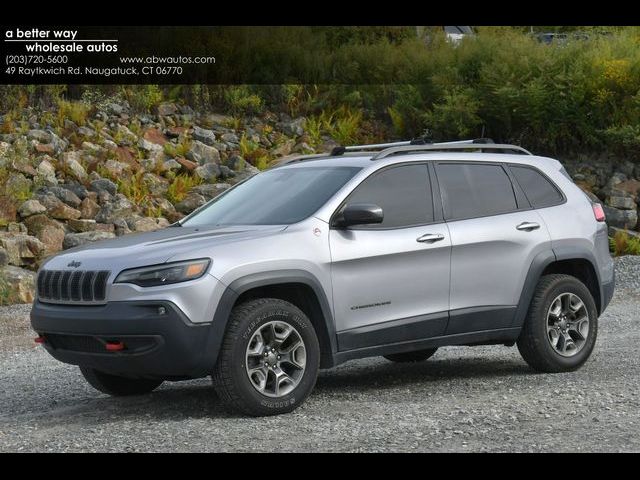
(483,337)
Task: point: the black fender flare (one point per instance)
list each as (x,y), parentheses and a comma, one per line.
(262,279)
(541,261)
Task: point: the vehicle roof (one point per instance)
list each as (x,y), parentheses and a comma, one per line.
(364,160)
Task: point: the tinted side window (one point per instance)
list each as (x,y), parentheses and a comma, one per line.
(404,193)
(539,191)
(475,190)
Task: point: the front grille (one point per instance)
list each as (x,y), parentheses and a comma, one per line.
(72,285)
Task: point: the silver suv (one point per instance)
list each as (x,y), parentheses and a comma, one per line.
(391,250)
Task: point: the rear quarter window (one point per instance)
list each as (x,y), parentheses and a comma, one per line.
(538,189)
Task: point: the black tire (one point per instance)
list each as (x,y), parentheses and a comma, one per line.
(534,344)
(230,377)
(411,357)
(118,386)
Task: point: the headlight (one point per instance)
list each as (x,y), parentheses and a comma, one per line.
(164,274)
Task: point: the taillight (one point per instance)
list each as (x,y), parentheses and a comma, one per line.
(598,212)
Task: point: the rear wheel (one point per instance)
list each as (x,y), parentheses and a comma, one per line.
(561,326)
(408,357)
(118,386)
(269,360)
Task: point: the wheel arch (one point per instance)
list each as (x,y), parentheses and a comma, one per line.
(295,286)
(578,263)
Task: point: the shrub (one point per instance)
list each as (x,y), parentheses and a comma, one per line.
(143,97)
(77,112)
(180,186)
(455,117)
(624,244)
(240,100)
(134,188)
(247,146)
(7,295)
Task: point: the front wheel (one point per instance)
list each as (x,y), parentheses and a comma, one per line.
(561,326)
(118,386)
(269,360)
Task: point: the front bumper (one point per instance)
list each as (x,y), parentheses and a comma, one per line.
(159,340)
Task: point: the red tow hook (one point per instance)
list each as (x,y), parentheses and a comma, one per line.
(39,340)
(114,346)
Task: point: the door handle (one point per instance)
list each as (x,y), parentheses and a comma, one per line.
(528,226)
(430,238)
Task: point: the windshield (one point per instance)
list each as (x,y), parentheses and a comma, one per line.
(276,197)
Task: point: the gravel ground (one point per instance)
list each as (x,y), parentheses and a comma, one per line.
(463,399)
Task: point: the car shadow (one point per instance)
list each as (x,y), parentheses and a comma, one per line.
(372,377)
(197,399)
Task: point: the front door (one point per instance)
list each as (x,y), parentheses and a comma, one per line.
(391,280)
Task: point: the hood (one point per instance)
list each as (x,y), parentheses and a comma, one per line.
(150,248)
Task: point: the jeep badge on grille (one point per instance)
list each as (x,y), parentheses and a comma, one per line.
(74,264)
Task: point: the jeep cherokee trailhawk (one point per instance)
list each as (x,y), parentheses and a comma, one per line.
(391,250)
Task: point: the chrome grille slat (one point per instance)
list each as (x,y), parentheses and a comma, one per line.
(64,290)
(72,286)
(87,286)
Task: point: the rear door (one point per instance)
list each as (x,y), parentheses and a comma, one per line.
(495,234)
(391,281)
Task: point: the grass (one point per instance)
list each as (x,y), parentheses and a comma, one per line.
(134,188)
(179,149)
(247,146)
(77,112)
(180,186)
(343,125)
(7,295)
(624,244)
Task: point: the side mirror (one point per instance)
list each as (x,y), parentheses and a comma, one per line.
(359,214)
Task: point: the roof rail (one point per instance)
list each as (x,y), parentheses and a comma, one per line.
(416,141)
(434,147)
(407,146)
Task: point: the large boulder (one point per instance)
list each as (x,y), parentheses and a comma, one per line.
(205,136)
(89,209)
(72,240)
(50,232)
(72,165)
(31,207)
(154,135)
(166,109)
(119,207)
(56,208)
(22,250)
(65,195)
(146,224)
(210,190)
(190,203)
(18,186)
(116,169)
(208,172)
(627,219)
(18,285)
(104,185)
(46,173)
(7,210)
(623,203)
(40,136)
(203,154)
